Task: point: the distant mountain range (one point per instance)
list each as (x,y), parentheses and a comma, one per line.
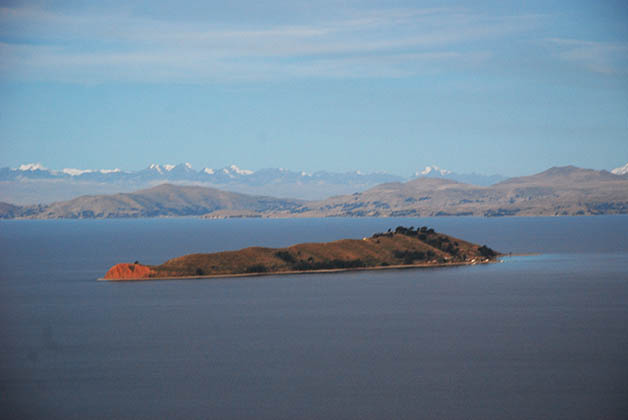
(558,191)
(473,178)
(33,183)
(184,172)
(230,175)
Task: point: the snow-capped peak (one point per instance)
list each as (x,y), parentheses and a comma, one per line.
(622,170)
(71,171)
(168,167)
(155,167)
(32,167)
(185,167)
(209,171)
(433,169)
(239,171)
(75,172)
(110,171)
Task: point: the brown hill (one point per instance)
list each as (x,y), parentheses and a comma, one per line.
(566,175)
(557,191)
(404,247)
(162,200)
(10,210)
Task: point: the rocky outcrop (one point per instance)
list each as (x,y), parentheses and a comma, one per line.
(126,271)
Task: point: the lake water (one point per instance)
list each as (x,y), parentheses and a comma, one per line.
(542,336)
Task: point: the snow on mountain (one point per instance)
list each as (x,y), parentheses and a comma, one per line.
(167,167)
(233,175)
(155,167)
(433,170)
(32,167)
(235,169)
(76,172)
(184,172)
(622,170)
(181,167)
(79,172)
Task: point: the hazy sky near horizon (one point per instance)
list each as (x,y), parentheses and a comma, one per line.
(472,86)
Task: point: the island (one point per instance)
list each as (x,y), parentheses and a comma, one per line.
(399,248)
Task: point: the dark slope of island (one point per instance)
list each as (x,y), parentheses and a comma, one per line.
(405,247)
(564,191)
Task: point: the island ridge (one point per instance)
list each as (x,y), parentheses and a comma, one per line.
(403,247)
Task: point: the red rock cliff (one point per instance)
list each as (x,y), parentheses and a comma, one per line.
(128,271)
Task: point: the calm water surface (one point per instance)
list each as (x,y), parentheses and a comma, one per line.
(544,336)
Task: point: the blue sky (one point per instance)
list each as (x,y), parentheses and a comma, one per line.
(472,86)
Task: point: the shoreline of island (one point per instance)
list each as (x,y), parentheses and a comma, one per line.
(323,271)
